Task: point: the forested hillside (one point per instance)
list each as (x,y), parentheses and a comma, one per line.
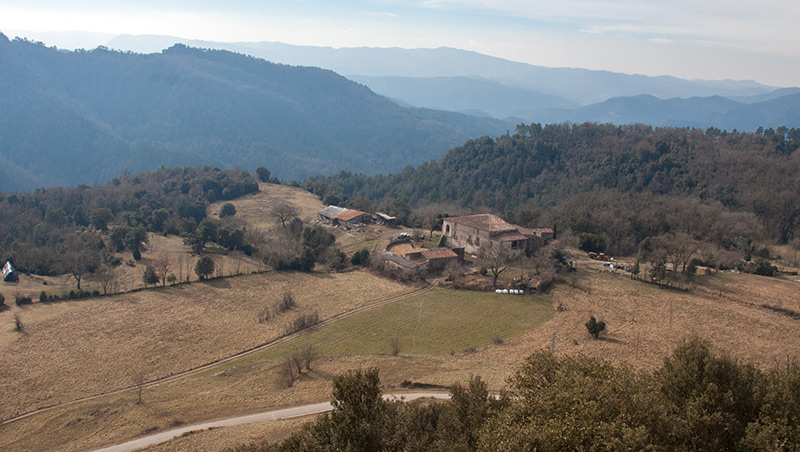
(48,231)
(625,183)
(68,118)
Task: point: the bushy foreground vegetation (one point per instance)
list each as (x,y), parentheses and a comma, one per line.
(696,401)
(623,183)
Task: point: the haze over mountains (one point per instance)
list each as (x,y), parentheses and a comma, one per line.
(87,116)
(469,82)
(84,117)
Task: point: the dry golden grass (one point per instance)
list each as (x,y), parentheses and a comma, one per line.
(70,350)
(76,348)
(255,209)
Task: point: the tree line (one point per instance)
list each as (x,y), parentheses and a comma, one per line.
(697,400)
(75,230)
(625,183)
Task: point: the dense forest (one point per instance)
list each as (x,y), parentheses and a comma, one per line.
(696,401)
(69,230)
(83,117)
(625,183)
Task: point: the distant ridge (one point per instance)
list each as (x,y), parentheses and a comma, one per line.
(580,86)
(465,81)
(86,116)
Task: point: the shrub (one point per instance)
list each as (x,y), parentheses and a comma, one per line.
(595,328)
(204,267)
(42,296)
(302,322)
(286,303)
(335,259)
(762,267)
(591,242)
(227,210)
(360,257)
(265,315)
(21,300)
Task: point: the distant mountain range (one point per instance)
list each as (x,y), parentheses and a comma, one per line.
(469,82)
(68,118)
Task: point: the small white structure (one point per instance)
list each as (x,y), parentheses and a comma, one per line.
(9,274)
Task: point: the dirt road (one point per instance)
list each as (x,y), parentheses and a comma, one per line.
(274,415)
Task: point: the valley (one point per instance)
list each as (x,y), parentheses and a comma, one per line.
(75,349)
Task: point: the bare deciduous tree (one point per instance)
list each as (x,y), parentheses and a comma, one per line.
(289,372)
(162,264)
(283,212)
(139,379)
(395,346)
(496,259)
(237,256)
(108,277)
(184,267)
(309,354)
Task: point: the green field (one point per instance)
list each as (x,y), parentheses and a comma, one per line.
(437,322)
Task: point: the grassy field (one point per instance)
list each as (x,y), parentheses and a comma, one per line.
(254,210)
(74,349)
(438,322)
(65,358)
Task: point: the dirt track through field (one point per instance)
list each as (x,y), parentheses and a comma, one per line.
(273,415)
(231,358)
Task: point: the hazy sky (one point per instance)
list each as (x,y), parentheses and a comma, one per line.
(708,39)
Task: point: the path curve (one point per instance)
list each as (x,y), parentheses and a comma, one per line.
(219,362)
(273,415)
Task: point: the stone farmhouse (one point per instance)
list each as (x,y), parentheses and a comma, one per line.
(476,231)
(412,259)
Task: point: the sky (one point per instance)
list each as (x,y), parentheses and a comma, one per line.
(693,39)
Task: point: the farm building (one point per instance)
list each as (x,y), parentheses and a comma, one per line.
(386,219)
(419,257)
(439,258)
(402,263)
(330,212)
(353,217)
(476,231)
(341,215)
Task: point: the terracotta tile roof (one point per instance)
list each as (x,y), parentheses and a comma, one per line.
(349,214)
(332,211)
(484,222)
(442,253)
(509,236)
(399,260)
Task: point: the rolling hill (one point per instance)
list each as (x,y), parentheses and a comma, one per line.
(464,81)
(84,117)
(581,86)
